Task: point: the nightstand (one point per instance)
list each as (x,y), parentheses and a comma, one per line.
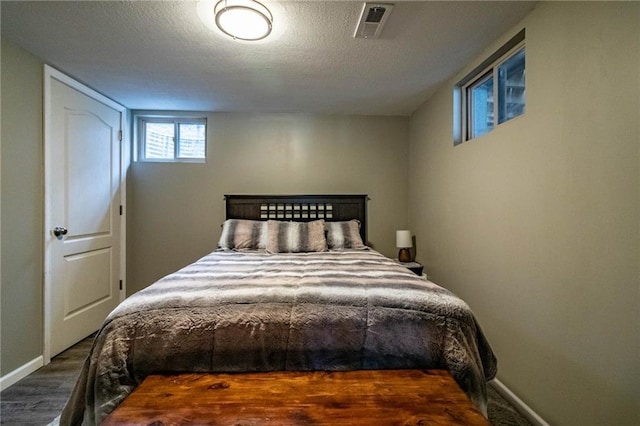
(414,267)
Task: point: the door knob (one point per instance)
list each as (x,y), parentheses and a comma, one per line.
(59,231)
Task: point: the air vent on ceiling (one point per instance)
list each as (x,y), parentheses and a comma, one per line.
(372,19)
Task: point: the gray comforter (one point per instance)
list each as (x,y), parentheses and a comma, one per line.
(253,311)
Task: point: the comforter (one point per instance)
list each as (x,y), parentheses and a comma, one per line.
(253,311)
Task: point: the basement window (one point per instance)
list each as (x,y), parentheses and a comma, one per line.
(172,139)
(492,94)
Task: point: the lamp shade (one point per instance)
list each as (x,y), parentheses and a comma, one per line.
(403,239)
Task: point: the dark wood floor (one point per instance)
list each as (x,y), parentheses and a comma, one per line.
(39,398)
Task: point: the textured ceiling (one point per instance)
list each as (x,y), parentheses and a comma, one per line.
(160,54)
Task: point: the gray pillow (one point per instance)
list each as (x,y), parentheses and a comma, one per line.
(344,235)
(241,234)
(295,237)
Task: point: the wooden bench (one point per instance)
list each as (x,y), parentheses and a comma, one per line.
(367,397)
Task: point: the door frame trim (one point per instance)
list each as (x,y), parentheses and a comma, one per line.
(49,75)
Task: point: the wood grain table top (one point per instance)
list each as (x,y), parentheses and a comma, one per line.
(364,397)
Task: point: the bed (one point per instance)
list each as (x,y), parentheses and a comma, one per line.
(291,287)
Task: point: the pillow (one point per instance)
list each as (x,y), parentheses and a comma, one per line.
(344,235)
(241,234)
(296,237)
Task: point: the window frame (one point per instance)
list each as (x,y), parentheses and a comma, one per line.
(142,119)
(462,106)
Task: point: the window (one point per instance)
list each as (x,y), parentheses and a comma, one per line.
(493,93)
(178,139)
(511,93)
(480,99)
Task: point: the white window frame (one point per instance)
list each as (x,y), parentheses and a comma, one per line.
(139,131)
(462,112)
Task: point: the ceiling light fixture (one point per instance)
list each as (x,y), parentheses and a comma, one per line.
(246,20)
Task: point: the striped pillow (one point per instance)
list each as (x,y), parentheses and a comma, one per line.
(240,234)
(296,237)
(344,235)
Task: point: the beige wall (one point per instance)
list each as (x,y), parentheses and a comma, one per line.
(536,224)
(175,210)
(22,201)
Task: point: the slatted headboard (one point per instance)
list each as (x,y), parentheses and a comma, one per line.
(301,208)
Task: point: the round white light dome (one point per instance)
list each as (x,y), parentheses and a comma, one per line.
(243,19)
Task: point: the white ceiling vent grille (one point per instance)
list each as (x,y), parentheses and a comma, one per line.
(372,19)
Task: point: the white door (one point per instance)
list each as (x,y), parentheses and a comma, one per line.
(82,210)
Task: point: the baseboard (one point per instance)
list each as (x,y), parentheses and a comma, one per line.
(20,372)
(519,404)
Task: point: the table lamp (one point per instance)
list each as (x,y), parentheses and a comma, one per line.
(404,243)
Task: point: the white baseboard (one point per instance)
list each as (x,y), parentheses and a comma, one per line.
(20,372)
(519,404)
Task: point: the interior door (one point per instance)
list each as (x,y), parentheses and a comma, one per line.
(82,210)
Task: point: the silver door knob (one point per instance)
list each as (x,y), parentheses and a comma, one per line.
(59,231)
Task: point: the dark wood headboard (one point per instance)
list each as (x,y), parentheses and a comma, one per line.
(301,208)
